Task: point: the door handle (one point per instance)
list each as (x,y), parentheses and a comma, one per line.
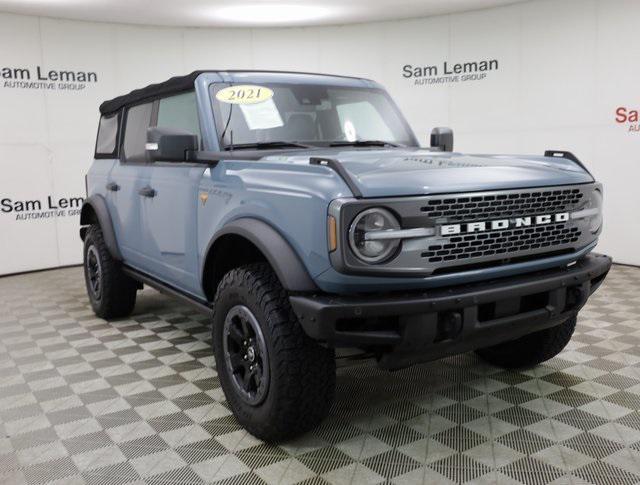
(113,187)
(147,192)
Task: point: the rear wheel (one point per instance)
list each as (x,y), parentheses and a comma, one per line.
(278,382)
(531,349)
(112,293)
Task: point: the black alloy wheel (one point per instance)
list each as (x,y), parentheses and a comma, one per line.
(246,354)
(94,272)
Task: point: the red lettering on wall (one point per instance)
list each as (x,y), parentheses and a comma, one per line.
(624,115)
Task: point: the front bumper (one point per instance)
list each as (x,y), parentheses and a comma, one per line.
(406,328)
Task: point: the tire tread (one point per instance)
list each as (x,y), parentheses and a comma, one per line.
(118,290)
(302,370)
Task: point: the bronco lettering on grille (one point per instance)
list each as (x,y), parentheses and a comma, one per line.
(500,224)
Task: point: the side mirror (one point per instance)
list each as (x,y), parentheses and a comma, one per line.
(442,139)
(169,144)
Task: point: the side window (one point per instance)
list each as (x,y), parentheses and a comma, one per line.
(107,136)
(135,133)
(179,111)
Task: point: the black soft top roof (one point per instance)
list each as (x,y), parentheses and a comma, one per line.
(174,85)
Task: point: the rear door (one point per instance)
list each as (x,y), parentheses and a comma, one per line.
(169,218)
(126,180)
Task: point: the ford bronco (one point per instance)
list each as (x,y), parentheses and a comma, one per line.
(300,211)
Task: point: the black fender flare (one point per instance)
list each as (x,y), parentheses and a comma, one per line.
(281,256)
(98,206)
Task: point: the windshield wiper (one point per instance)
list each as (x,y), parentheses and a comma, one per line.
(363,143)
(266,145)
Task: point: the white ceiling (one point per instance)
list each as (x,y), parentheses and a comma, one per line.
(252,13)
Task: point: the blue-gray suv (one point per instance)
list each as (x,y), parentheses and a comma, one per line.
(300,212)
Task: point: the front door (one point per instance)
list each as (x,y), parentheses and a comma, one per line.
(169,218)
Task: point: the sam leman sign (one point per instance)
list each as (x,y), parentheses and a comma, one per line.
(40,78)
(450,72)
(51,207)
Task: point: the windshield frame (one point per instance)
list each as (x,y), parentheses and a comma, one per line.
(220,119)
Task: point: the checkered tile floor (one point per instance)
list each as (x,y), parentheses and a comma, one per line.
(139,401)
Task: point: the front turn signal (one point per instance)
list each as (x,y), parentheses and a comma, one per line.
(332,234)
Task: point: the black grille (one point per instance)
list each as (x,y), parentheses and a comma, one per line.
(504,242)
(502,206)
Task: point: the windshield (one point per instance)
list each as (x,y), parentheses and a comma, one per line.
(290,115)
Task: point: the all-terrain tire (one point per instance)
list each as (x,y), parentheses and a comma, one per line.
(115,296)
(531,349)
(302,373)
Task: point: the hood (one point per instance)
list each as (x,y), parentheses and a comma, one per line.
(400,172)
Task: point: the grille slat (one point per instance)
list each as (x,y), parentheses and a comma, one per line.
(471,209)
(502,242)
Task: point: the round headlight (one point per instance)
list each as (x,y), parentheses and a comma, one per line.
(596,203)
(362,235)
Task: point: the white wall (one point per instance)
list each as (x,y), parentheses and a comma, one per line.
(565,66)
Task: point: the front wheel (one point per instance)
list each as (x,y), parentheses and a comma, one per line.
(531,349)
(278,382)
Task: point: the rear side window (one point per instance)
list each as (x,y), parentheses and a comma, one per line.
(135,133)
(179,111)
(107,137)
